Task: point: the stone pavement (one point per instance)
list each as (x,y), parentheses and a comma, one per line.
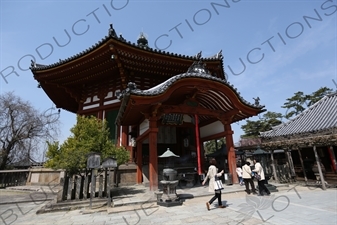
(136,205)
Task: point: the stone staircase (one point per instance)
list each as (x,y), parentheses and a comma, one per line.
(330,178)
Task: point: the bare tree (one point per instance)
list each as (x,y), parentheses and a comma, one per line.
(23,129)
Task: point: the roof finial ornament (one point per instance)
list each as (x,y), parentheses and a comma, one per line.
(142,40)
(112,31)
(257,101)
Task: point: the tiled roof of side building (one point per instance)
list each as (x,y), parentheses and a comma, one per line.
(318,117)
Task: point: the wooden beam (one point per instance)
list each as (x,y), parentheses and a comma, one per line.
(318,161)
(185,109)
(303,168)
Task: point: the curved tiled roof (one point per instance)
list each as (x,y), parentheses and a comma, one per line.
(161,88)
(112,35)
(319,117)
(211,97)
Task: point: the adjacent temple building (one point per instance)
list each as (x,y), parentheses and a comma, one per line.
(152,100)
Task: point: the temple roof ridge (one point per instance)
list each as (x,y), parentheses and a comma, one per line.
(113,36)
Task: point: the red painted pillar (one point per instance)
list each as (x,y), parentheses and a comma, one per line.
(153,155)
(332,158)
(231,152)
(100,115)
(124,136)
(197,141)
(139,164)
(118,136)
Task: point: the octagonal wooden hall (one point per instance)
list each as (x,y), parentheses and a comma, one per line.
(152,100)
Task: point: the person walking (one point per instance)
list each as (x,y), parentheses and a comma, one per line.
(261,182)
(239,173)
(212,172)
(247,178)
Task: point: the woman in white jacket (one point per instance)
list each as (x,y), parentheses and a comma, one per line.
(239,173)
(247,177)
(259,170)
(212,172)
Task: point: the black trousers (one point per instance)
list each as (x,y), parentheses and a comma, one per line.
(251,182)
(216,196)
(262,187)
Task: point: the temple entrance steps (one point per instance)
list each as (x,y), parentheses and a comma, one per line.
(331,178)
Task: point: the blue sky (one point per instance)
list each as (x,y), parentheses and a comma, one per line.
(284,46)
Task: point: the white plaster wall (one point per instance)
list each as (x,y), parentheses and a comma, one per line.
(90,106)
(213,128)
(111,102)
(144,126)
(187,119)
(109,95)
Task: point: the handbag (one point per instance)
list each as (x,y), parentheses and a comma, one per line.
(217,184)
(257,176)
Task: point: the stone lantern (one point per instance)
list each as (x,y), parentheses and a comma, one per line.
(169,196)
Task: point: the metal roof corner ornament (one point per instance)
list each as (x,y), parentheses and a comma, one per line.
(32,63)
(257,101)
(198,56)
(219,55)
(130,87)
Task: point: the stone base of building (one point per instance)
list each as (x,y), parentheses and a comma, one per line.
(127,174)
(44,177)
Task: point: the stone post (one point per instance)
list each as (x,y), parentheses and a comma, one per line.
(70,188)
(60,194)
(100,186)
(78,187)
(85,187)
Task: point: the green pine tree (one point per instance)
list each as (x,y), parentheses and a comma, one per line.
(88,135)
(265,123)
